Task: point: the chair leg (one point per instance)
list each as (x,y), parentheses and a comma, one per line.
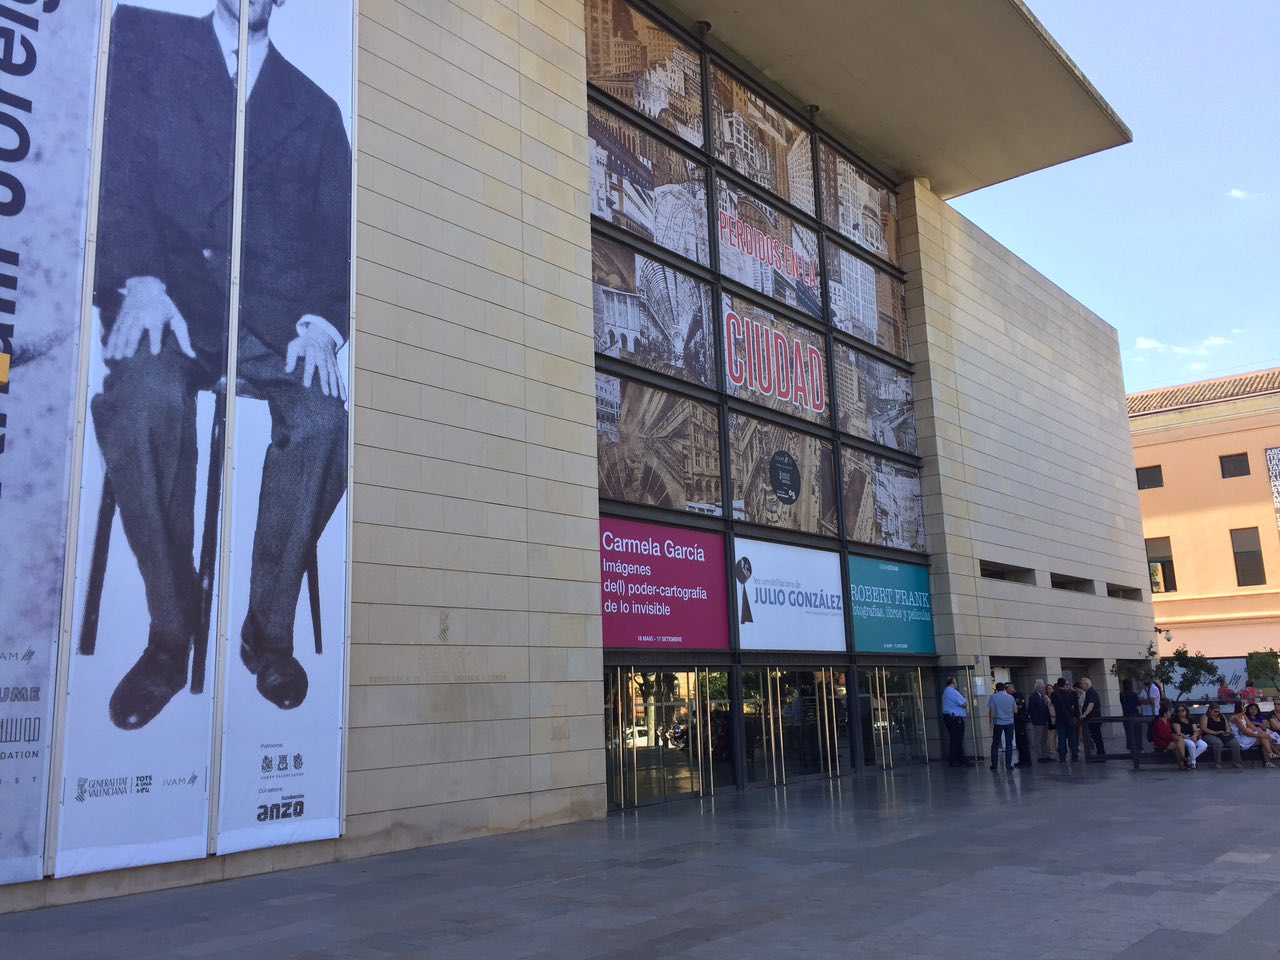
(313,592)
(209,541)
(97,569)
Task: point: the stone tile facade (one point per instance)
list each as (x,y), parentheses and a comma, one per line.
(475,662)
(1021,416)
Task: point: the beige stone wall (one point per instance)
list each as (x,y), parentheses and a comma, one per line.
(475,697)
(476,664)
(1022,423)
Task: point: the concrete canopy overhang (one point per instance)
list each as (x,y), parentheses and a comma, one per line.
(965,93)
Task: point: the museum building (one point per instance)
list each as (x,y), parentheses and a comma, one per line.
(673,369)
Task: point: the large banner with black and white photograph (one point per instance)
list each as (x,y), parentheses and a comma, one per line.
(138,731)
(283,690)
(141,709)
(48,60)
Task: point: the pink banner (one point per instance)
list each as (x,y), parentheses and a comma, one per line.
(662,587)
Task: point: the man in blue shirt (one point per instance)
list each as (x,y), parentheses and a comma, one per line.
(1000,710)
(955,708)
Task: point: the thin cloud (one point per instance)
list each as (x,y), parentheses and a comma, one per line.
(1201,349)
(1235,193)
(1197,367)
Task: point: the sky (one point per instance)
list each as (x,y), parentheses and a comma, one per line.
(1173,239)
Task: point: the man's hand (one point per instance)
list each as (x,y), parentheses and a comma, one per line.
(319,355)
(146,309)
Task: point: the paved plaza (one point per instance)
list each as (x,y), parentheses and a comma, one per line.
(1096,861)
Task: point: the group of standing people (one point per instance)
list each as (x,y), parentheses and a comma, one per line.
(1030,726)
(1058,715)
(1053,718)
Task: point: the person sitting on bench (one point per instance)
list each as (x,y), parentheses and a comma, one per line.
(1250,733)
(1218,733)
(1162,737)
(1186,728)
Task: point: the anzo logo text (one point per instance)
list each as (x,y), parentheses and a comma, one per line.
(289,808)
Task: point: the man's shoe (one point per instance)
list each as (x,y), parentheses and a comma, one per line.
(991,767)
(148,687)
(281,678)
(1046,760)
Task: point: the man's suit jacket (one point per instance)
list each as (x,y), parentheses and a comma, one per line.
(167,172)
(1038,708)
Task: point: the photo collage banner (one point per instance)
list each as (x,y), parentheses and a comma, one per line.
(768,352)
(192,523)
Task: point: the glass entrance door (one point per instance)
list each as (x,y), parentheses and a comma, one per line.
(891,714)
(965,684)
(796,724)
(667,734)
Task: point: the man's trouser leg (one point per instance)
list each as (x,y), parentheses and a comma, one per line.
(303,478)
(145,420)
(1002,731)
(1069,736)
(1095,731)
(955,731)
(1042,739)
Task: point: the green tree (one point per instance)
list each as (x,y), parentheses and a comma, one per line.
(1196,670)
(1264,666)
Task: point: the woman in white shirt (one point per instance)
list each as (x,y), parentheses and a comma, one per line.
(1251,733)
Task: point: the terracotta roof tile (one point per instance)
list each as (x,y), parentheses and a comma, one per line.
(1197,394)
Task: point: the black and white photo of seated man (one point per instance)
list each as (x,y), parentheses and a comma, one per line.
(162,287)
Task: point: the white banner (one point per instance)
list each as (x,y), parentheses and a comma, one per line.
(48,56)
(284,684)
(139,721)
(789,598)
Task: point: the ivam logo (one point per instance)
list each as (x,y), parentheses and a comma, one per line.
(17,656)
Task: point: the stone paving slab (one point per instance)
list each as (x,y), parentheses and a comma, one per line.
(1085,861)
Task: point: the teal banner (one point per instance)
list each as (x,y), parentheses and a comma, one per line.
(892,612)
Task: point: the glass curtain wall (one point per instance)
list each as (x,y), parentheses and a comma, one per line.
(797,724)
(891,713)
(668,734)
(753,379)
